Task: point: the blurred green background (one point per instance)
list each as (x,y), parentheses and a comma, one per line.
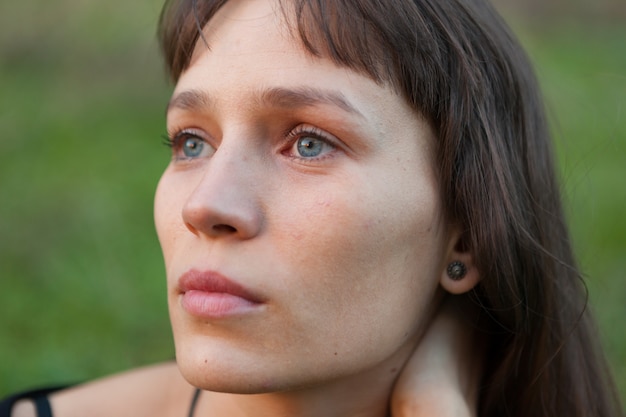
(82,100)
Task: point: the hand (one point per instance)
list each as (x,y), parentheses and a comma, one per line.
(442,376)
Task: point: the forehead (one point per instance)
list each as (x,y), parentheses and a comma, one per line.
(248,46)
(250,60)
(243,23)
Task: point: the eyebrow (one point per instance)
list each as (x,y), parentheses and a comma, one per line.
(190,100)
(280,97)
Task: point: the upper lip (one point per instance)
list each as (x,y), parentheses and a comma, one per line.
(211,281)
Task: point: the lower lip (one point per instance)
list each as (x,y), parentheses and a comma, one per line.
(216,304)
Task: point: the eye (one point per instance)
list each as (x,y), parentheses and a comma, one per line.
(310,143)
(188,144)
(309,147)
(192,147)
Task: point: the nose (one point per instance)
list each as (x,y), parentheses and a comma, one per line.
(225,203)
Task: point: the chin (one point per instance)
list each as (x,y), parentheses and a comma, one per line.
(221,380)
(223,370)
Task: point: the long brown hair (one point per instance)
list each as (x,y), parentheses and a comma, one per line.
(456,62)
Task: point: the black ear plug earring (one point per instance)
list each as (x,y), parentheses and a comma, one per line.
(456,270)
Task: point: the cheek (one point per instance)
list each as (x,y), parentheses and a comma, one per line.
(168,204)
(369,258)
(350,227)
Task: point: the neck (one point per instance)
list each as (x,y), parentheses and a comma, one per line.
(336,402)
(290,405)
(363,395)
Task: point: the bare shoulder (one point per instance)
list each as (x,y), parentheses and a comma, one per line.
(157,390)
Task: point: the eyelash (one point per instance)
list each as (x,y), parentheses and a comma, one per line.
(300,131)
(175,138)
(167,140)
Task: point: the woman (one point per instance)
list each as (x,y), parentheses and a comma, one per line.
(339,169)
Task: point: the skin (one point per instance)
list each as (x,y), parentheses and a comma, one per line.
(436,381)
(346,249)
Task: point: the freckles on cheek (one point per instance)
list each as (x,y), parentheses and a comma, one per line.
(331,238)
(310,231)
(170,226)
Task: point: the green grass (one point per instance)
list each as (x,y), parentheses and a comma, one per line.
(82,289)
(82,283)
(583,74)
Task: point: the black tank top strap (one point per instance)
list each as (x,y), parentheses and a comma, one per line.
(194,402)
(38,396)
(43,406)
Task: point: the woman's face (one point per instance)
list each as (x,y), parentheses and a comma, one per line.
(299,218)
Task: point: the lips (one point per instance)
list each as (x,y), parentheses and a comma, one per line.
(207,294)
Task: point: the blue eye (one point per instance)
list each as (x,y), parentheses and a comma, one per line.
(192,147)
(188,144)
(310,143)
(309,147)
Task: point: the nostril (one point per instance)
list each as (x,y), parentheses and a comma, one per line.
(224,229)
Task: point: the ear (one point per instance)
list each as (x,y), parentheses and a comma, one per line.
(458,251)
